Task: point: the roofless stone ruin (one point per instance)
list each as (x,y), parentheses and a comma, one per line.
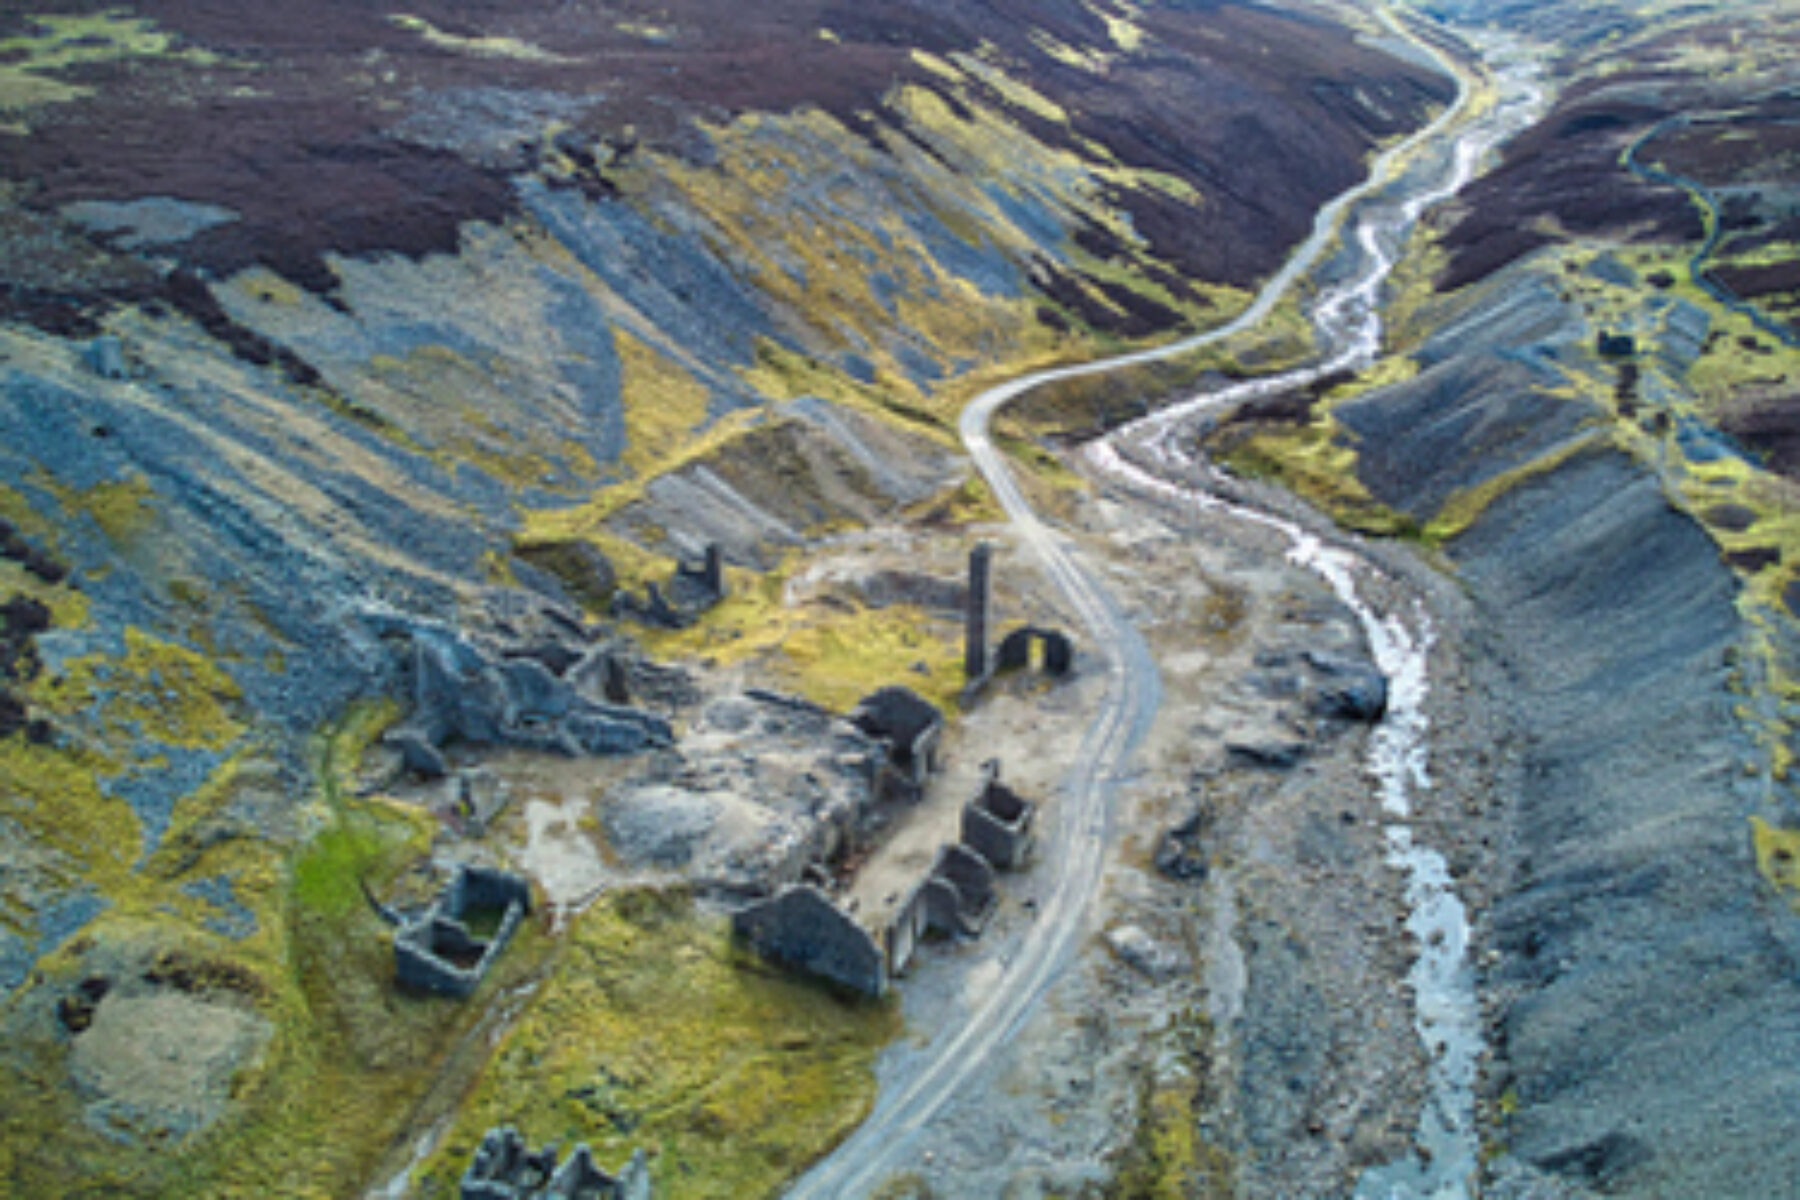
(803,928)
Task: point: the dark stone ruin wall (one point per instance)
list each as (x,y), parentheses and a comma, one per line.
(975,630)
(1015,651)
(908,724)
(436,952)
(801,928)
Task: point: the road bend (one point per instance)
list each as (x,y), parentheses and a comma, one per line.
(1076,861)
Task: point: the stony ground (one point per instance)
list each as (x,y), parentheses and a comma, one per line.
(1261,1001)
(229,456)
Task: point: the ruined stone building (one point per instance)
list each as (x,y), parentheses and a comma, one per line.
(1015,650)
(910,727)
(800,927)
(997,823)
(803,928)
(440,951)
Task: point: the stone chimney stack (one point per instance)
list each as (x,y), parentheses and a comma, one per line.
(714,575)
(975,627)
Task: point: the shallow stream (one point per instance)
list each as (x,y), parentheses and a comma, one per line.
(1150,457)
(1363,229)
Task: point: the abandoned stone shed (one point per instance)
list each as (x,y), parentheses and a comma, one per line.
(438,951)
(997,823)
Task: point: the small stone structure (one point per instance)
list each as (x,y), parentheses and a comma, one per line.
(959,894)
(800,927)
(503,1169)
(437,952)
(954,900)
(910,727)
(689,592)
(997,823)
(1015,651)
(105,357)
(963,885)
(975,627)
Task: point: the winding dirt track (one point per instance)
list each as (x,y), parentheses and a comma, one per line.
(883,1143)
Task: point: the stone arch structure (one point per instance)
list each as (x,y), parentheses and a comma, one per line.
(1058,654)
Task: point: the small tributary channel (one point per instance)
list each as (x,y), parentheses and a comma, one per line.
(1713,216)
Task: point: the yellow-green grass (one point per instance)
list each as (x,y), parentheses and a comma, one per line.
(491,46)
(1168,1157)
(118,716)
(665,406)
(1318,463)
(448,398)
(1778,857)
(350,1058)
(831,650)
(1465,505)
(156,694)
(653,1031)
(30,63)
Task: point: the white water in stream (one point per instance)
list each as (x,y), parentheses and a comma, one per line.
(1376,216)
(1347,319)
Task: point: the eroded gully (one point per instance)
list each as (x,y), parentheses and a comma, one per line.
(1367,225)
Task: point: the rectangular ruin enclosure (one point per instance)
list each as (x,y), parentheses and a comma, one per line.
(449,949)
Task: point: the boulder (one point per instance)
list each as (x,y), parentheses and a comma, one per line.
(1179,852)
(1347,688)
(1143,953)
(1275,752)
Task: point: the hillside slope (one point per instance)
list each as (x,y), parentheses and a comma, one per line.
(1597,364)
(323,327)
